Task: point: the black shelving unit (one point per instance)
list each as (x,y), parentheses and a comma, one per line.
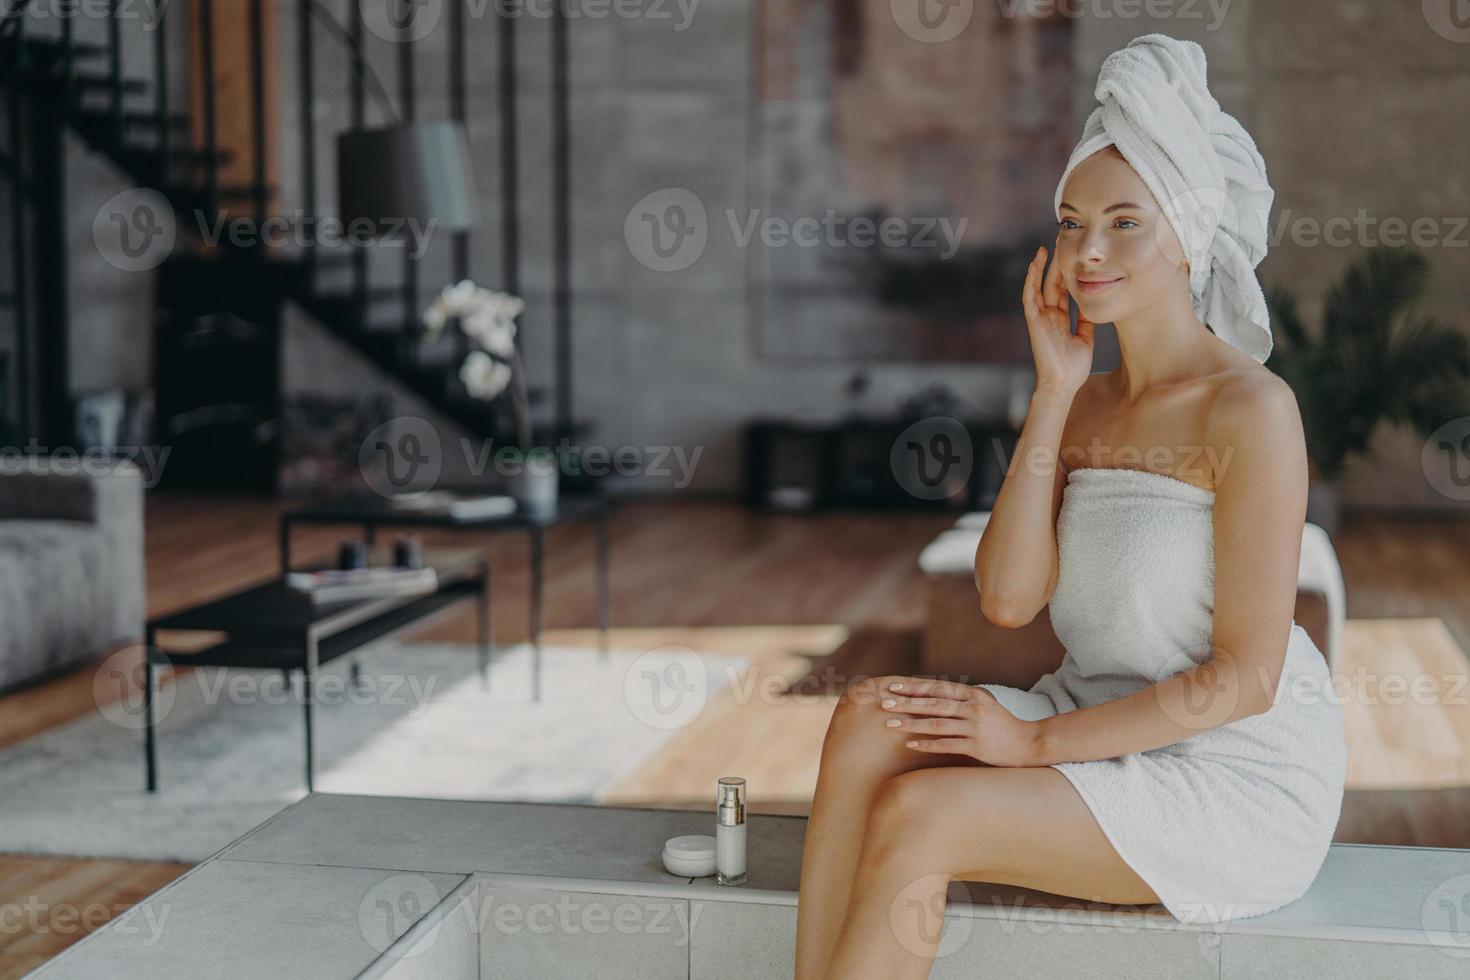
(845,464)
(217,352)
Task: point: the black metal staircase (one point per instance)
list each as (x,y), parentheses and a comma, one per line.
(57,83)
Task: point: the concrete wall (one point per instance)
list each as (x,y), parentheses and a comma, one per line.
(670,358)
(661,358)
(1353,104)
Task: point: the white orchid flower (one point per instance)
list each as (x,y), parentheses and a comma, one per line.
(483,376)
(487,318)
(492,334)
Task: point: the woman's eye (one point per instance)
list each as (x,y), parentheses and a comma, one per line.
(1067,224)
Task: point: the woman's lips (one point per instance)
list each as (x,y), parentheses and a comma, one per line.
(1091,288)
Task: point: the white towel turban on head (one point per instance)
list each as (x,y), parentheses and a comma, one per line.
(1201,166)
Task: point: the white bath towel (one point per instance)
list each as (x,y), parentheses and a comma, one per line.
(1201,166)
(1236,820)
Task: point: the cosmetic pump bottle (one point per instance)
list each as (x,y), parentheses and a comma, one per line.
(730,831)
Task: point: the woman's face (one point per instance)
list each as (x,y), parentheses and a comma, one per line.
(1118,252)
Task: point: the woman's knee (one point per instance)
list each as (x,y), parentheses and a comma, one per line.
(859,717)
(899,821)
(867,692)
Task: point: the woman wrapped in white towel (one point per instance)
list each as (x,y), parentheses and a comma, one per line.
(1188,750)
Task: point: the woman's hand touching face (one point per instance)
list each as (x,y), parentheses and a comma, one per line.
(1063,359)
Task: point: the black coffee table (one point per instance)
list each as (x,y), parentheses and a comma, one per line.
(372,511)
(273,626)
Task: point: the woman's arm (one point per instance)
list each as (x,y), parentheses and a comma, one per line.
(1260,507)
(1016,562)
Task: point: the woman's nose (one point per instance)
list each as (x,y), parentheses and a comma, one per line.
(1091,246)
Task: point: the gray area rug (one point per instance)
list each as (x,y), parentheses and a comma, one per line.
(419,724)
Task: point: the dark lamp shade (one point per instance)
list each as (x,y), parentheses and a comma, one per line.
(416,172)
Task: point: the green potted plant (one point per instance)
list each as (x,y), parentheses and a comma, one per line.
(493,369)
(1372,360)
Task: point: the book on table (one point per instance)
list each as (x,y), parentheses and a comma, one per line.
(336,585)
(455,505)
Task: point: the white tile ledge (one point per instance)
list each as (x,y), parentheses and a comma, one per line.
(1385,897)
(1363,893)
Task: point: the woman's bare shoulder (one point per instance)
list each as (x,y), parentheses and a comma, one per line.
(1254,408)
(1248,395)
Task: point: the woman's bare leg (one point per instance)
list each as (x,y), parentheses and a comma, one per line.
(1017,826)
(859,754)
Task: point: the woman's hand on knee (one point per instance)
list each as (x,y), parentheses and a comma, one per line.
(947,718)
(859,716)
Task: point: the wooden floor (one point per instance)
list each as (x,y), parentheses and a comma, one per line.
(789,593)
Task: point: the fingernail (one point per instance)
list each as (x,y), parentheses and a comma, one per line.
(896,687)
(911,744)
(889,702)
(892,722)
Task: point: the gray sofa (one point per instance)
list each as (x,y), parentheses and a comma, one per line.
(71,563)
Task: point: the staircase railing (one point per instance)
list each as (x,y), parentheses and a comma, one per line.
(88,84)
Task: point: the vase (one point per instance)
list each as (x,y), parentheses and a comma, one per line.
(535,483)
